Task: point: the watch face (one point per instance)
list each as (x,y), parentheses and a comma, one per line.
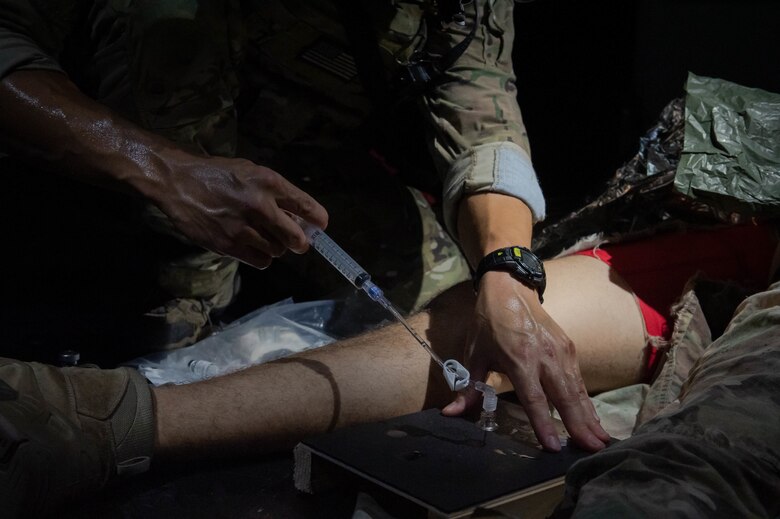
(520,262)
(529,260)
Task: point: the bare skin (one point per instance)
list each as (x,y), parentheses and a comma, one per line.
(240,209)
(230,206)
(386,373)
(513,334)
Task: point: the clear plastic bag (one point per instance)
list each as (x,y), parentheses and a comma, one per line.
(269,333)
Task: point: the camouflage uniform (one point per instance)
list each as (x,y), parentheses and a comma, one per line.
(178,68)
(271,81)
(713,449)
(66,431)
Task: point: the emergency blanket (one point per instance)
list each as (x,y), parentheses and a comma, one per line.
(731,153)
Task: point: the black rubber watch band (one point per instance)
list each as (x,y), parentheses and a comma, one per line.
(518,261)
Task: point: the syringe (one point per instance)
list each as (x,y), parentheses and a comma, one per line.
(356,275)
(457,376)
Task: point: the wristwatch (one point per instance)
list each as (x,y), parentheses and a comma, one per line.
(520,262)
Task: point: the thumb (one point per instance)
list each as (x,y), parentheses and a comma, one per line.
(470,397)
(456,407)
(462,402)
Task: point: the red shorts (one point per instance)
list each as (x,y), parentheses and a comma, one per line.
(658,268)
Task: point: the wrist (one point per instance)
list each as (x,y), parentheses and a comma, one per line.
(502,286)
(494,281)
(152,171)
(520,263)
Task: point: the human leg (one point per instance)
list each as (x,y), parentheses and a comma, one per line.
(715,452)
(272,406)
(386,373)
(740,253)
(65,432)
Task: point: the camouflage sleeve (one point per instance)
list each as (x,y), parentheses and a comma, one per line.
(32,34)
(480,142)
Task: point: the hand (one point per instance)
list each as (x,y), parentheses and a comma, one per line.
(236,208)
(230,206)
(512,334)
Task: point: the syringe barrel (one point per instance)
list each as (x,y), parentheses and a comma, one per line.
(334,254)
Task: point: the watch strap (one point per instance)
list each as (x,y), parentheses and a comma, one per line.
(511,259)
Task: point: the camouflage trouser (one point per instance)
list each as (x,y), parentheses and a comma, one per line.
(714,451)
(178,68)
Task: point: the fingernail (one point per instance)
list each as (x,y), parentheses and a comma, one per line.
(596,416)
(553,443)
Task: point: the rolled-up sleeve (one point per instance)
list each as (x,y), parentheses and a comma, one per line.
(31,34)
(479,141)
(500,167)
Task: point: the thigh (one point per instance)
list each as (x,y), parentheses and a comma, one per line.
(716,452)
(599,312)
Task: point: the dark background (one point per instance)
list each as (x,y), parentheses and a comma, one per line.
(594,75)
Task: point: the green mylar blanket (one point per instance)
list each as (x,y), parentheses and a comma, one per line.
(731,153)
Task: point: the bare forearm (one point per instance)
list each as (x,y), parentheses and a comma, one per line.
(228,205)
(489,221)
(46,119)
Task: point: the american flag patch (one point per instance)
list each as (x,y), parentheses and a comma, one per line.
(331,57)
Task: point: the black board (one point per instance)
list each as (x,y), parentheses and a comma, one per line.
(445,464)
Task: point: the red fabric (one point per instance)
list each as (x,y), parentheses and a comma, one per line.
(658,268)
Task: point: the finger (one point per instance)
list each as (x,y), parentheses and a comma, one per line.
(304,205)
(577,416)
(464,401)
(469,398)
(256,250)
(595,427)
(264,242)
(587,404)
(286,231)
(531,394)
(274,225)
(253,257)
(581,426)
(457,407)
(499,381)
(271,212)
